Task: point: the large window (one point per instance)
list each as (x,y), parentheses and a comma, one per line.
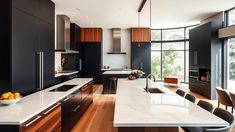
(231,64)
(231,17)
(230,53)
(170,53)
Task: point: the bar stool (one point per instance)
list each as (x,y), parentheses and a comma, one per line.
(112,84)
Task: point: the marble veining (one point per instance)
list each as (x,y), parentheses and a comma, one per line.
(136,108)
(33,104)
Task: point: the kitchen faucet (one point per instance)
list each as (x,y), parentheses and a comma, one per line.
(154,79)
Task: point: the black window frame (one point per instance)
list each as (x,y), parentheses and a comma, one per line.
(185,50)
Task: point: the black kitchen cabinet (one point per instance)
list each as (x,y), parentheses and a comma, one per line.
(205,53)
(200,39)
(141,57)
(70,110)
(46,45)
(91,60)
(75,105)
(25,34)
(24,51)
(47,11)
(42,9)
(29,6)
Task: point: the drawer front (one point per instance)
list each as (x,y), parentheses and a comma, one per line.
(49,120)
(87,89)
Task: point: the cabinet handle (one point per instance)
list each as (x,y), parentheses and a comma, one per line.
(76,108)
(34,120)
(45,113)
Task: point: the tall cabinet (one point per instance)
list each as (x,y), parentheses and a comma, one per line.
(91,53)
(27,30)
(141,49)
(205,59)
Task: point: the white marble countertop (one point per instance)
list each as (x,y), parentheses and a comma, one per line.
(136,108)
(117,72)
(65,74)
(35,103)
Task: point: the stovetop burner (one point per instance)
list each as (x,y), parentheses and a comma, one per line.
(63,88)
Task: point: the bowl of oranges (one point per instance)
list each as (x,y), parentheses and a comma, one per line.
(10,98)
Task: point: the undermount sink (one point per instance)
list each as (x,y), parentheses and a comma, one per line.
(154,90)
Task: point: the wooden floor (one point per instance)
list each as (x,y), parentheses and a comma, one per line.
(99,116)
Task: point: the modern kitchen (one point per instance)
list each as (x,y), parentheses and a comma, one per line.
(117,66)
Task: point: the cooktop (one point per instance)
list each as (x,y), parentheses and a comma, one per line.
(63,88)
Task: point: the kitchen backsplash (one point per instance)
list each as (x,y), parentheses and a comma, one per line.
(57,61)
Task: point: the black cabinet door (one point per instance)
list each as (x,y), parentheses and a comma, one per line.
(24,48)
(47,11)
(67,113)
(200,46)
(75,44)
(91,59)
(29,6)
(141,57)
(46,45)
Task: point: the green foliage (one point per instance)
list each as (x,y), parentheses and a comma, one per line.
(232,59)
(169,67)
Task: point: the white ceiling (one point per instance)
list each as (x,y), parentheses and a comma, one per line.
(123,13)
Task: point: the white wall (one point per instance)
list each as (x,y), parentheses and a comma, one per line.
(116,60)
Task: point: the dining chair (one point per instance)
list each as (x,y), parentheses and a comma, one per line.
(180,92)
(221,113)
(190,98)
(205,105)
(232,96)
(224,98)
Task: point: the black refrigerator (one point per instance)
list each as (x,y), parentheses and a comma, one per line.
(28,48)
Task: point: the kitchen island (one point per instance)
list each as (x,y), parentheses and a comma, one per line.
(48,106)
(113,73)
(136,110)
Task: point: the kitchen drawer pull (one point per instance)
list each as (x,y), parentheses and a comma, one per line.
(76,108)
(45,113)
(34,120)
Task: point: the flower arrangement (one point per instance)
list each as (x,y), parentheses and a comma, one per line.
(137,73)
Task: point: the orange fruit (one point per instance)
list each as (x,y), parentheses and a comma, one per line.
(11,98)
(17,94)
(5,95)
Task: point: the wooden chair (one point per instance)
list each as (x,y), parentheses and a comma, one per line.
(205,105)
(232,96)
(180,92)
(224,98)
(190,98)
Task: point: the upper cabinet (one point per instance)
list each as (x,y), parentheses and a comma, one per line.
(140,35)
(91,35)
(42,9)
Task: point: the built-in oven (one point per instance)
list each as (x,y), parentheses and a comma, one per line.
(193,73)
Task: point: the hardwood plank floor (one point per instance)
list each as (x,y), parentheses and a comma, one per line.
(99,116)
